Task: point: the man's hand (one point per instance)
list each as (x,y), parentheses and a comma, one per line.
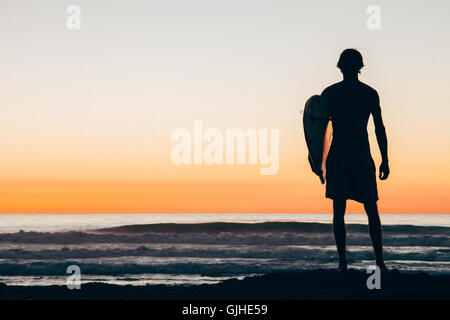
(384,170)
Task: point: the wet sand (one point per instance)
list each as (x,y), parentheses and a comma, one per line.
(317,284)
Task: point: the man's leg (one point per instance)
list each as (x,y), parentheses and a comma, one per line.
(375,232)
(339,231)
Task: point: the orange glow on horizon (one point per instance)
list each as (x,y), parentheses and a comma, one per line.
(197,197)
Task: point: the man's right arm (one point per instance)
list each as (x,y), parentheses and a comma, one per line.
(380,132)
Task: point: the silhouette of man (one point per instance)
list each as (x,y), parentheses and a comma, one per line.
(350,169)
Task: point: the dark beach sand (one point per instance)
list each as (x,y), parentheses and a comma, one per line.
(317,284)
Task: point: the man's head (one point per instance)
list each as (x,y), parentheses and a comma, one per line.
(350,61)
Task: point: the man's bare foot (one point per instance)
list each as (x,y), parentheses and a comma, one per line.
(342,266)
(382,267)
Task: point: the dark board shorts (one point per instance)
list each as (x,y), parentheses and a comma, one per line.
(350,174)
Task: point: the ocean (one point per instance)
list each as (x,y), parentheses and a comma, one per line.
(180,249)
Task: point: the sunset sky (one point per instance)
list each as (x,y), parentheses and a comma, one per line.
(87,115)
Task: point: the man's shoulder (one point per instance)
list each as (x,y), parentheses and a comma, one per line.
(332,88)
(369,89)
(338,87)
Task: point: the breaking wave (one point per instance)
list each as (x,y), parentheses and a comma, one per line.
(215,249)
(264,227)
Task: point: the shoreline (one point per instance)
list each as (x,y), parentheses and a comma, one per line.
(318,284)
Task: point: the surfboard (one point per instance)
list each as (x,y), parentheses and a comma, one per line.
(318,134)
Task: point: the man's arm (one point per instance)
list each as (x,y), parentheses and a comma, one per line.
(380,132)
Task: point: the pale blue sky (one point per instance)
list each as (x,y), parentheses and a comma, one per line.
(139,69)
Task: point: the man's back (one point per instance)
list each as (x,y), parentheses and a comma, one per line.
(351,103)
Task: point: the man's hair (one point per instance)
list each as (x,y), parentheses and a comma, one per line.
(350,61)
